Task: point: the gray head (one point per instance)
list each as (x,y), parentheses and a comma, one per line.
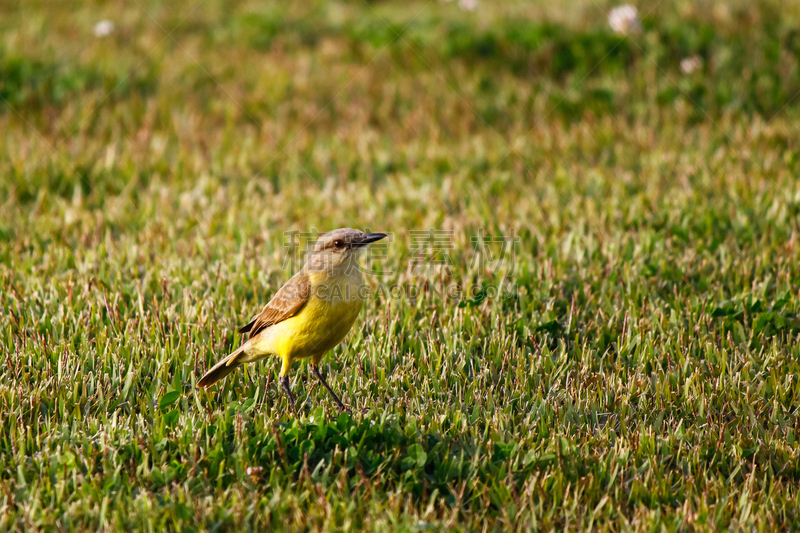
(342,240)
(339,248)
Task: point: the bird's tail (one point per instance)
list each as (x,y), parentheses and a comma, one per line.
(221,369)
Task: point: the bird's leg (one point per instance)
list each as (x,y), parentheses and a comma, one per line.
(315,370)
(285,386)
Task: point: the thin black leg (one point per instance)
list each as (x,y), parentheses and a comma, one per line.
(284,380)
(315,370)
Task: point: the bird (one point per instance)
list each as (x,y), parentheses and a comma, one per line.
(309,315)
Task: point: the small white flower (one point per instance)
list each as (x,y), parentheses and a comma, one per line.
(624,19)
(254,470)
(468,5)
(103,28)
(690,64)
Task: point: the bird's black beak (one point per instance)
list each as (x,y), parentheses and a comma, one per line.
(369,238)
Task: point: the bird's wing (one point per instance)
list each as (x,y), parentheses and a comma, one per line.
(286,303)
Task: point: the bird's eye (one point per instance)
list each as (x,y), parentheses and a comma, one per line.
(338,243)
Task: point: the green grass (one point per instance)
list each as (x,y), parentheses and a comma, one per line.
(638,372)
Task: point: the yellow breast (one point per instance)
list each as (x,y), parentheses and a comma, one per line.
(320,325)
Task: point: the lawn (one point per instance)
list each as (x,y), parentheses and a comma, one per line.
(586,316)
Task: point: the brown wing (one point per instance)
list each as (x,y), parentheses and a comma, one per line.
(286,303)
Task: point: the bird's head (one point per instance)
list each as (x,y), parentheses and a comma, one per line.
(339,249)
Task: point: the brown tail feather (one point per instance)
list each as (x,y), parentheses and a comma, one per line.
(221,369)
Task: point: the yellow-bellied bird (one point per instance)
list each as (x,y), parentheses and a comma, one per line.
(310,314)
